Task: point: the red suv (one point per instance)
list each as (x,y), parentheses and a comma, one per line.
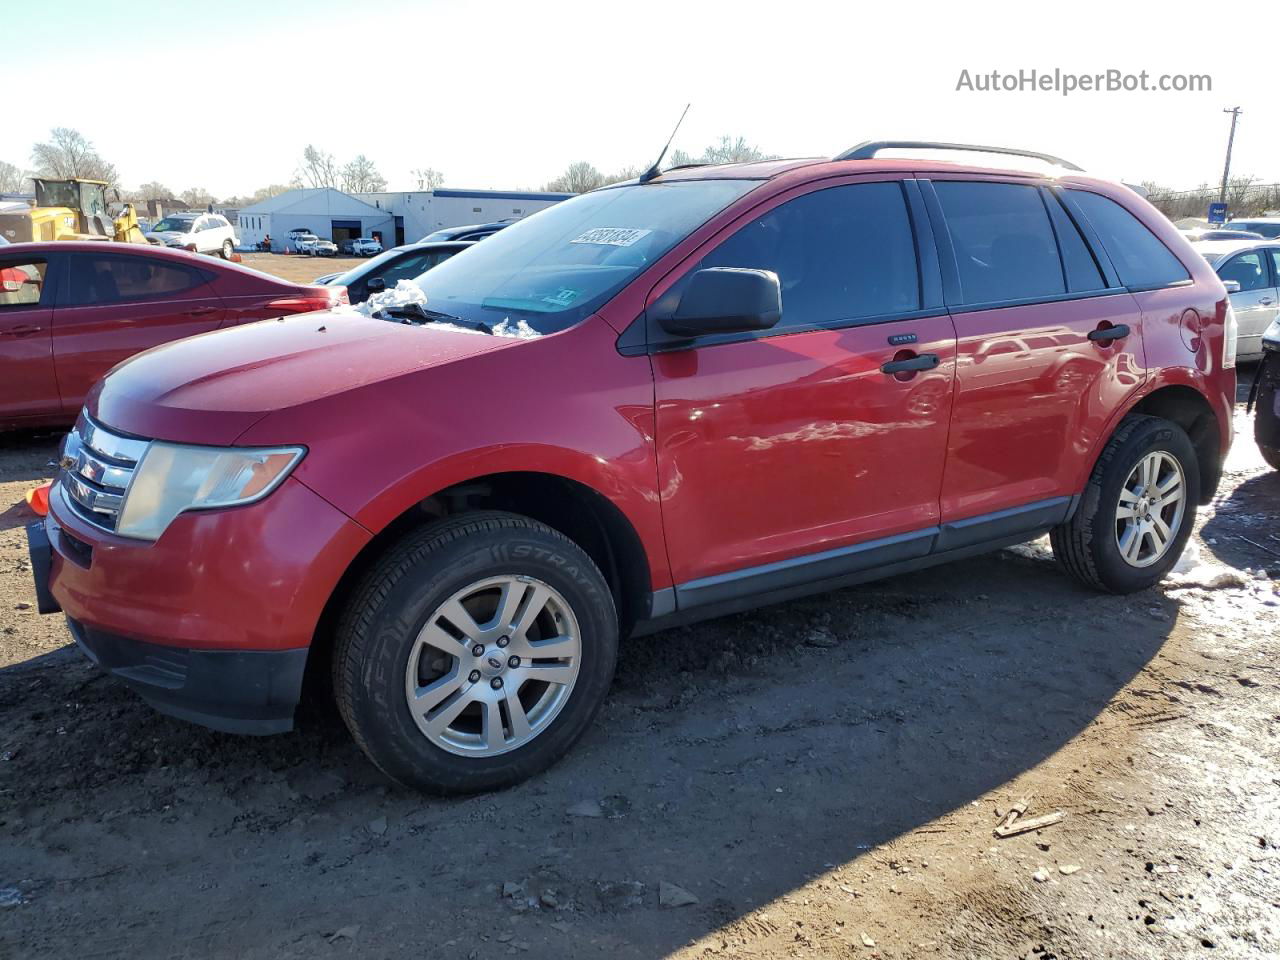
(694,393)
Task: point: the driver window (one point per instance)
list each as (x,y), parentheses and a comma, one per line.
(1247,269)
(841,254)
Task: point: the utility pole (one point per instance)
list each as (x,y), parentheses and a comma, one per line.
(1226,170)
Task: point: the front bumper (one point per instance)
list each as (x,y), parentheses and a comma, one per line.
(232,595)
(236,691)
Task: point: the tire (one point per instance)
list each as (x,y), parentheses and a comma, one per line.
(1089,544)
(381,659)
(1271,455)
(227,249)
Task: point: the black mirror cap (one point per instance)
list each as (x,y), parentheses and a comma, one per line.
(726,300)
(375,284)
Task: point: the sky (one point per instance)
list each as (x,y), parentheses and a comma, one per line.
(500,95)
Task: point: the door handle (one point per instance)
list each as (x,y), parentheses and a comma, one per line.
(925,361)
(22,330)
(201,311)
(1267,302)
(1103,334)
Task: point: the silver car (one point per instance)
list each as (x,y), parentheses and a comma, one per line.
(1251,271)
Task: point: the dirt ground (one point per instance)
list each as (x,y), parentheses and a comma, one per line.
(297,268)
(819,779)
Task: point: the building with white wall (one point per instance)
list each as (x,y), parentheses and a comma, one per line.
(417,213)
(326,212)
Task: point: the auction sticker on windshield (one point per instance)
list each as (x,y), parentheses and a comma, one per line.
(613,236)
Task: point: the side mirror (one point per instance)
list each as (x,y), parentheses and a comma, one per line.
(375,284)
(726,300)
(1233,286)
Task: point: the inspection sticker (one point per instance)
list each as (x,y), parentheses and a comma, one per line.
(612,236)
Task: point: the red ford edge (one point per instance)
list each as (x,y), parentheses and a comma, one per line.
(695,393)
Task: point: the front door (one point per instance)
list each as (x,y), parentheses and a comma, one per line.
(28,387)
(789,456)
(119,304)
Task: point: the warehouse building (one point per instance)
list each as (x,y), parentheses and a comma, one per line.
(417,213)
(326,212)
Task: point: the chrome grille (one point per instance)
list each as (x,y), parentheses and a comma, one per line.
(97,466)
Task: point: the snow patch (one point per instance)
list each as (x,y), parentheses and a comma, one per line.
(522,330)
(406,292)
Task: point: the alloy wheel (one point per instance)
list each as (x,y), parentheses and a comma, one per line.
(1150,511)
(493,666)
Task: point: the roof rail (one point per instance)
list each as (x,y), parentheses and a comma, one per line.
(868,150)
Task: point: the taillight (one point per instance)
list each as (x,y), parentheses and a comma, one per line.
(1230,334)
(315,298)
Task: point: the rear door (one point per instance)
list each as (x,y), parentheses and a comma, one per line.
(119,304)
(1033,385)
(1255,303)
(789,456)
(28,387)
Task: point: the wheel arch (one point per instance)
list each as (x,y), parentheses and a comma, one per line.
(583,514)
(1181,400)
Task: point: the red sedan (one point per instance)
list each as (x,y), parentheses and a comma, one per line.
(70,311)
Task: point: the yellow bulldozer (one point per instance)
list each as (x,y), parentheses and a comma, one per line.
(73,209)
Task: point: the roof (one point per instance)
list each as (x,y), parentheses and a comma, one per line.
(1214,250)
(318,201)
(1254,220)
(770,169)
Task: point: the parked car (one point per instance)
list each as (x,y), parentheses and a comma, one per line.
(693,393)
(197,233)
(472,231)
(297,232)
(70,311)
(1199,234)
(398,263)
(315,246)
(1251,271)
(1265,395)
(366,247)
(1268,227)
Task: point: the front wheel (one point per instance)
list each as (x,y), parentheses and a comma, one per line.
(1137,510)
(227,250)
(475,653)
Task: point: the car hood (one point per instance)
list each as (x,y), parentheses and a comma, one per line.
(170,234)
(211,388)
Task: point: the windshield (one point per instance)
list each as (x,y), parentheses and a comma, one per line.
(56,195)
(558,266)
(174,225)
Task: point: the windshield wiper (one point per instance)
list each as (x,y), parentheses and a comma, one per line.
(417,313)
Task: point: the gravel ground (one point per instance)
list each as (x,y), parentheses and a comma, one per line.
(818,779)
(298,268)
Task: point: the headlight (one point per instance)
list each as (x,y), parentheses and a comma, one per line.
(1230,336)
(172,478)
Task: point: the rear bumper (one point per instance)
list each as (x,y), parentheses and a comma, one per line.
(236,691)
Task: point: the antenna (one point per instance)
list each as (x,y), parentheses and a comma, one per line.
(655,169)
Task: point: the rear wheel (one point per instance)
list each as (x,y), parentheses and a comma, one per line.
(475,653)
(1137,511)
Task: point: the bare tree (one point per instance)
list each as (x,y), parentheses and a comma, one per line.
(196,197)
(578,178)
(153,191)
(734,150)
(428,178)
(11,178)
(67,153)
(318,169)
(361,176)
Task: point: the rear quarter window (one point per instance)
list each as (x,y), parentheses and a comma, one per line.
(1141,259)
